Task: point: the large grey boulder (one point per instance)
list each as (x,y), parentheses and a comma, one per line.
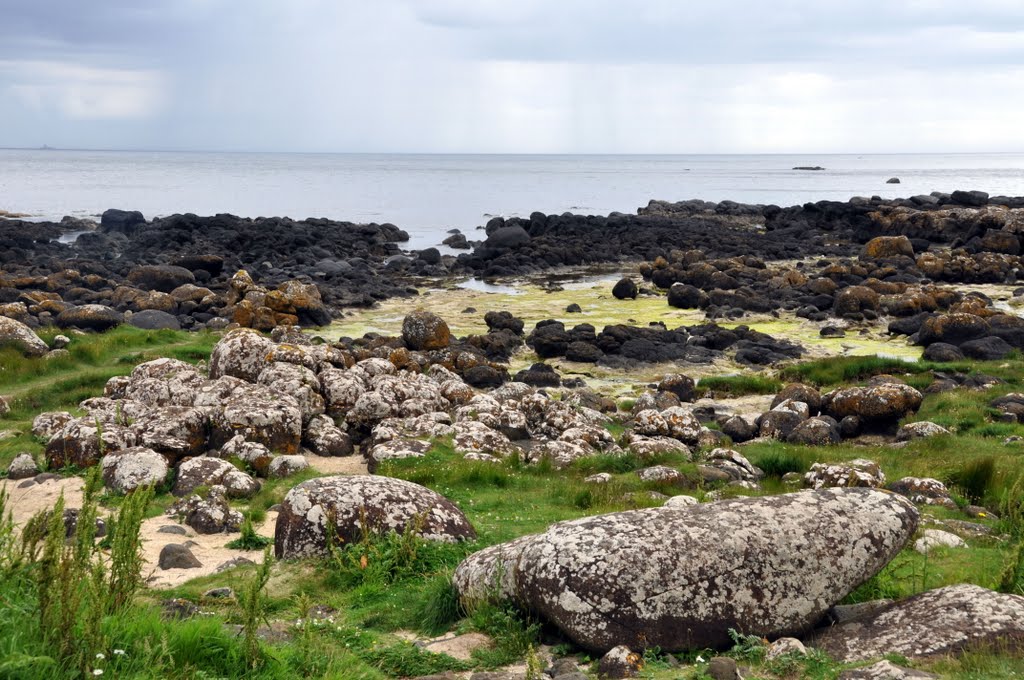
(937,623)
(680,578)
(387,504)
(21,337)
(888,401)
(126,470)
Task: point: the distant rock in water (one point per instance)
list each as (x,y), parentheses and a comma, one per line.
(893,180)
(808,167)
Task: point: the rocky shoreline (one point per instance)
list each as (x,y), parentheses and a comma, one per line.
(674,520)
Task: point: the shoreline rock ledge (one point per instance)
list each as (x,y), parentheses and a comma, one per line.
(680,578)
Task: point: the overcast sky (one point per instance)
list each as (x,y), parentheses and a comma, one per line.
(530,76)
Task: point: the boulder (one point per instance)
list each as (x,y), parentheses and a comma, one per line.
(177,556)
(154,320)
(425,331)
(681,578)
(919,430)
(242,353)
(625,289)
(507,237)
(90,318)
(859,472)
(22,467)
(990,348)
(936,538)
(126,222)
(83,441)
(942,352)
(385,504)
(938,623)
(620,662)
(324,438)
(923,490)
(802,393)
(817,431)
(680,385)
(888,246)
(685,296)
(209,515)
(19,336)
(954,328)
(888,401)
(160,277)
(266,417)
(174,431)
(885,670)
(126,470)
(47,424)
(286,466)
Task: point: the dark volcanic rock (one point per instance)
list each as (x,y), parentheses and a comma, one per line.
(121,221)
(90,317)
(625,289)
(153,319)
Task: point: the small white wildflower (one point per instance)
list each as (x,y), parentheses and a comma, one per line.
(118,652)
(700,659)
(97,671)
(100,656)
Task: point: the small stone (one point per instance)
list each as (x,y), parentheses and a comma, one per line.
(178,608)
(935,538)
(783,647)
(173,529)
(22,467)
(220,593)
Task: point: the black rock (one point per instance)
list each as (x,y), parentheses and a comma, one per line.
(942,352)
(178,556)
(583,351)
(625,289)
(986,349)
(483,376)
(539,375)
(154,319)
(121,221)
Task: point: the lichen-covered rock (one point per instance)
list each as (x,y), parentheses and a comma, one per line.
(242,353)
(681,501)
(90,317)
(779,423)
(936,538)
(919,430)
(923,491)
(21,337)
(662,474)
(620,662)
(817,431)
(386,504)
(163,382)
(682,424)
(425,331)
(734,464)
(888,401)
(475,437)
(83,441)
(859,472)
(681,578)
(802,393)
(341,390)
(267,416)
(885,670)
(201,471)
(22,467)
(210,515)
(324,438)
(174,431)
(253,455)
(45,425)
(298,382)
(561,453)
(937,623)
(286,466)
(650,423)
(129,469)
(395,449)
(888,246)
(647,447)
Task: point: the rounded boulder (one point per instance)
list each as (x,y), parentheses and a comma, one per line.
(424,331)
(387,505)
(681,579)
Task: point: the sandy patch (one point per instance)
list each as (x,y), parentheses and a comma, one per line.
(340,465)
(24,503)
(209,549)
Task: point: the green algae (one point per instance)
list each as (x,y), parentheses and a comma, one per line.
(534,302)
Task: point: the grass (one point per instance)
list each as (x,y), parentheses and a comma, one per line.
(737,386)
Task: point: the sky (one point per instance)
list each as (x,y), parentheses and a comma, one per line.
(514,76)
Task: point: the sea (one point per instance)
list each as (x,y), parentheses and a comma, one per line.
(430,194)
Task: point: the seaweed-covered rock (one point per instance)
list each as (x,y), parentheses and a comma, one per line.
(681,578)
(386,504)
(937,623)
(90,317)
(887,401)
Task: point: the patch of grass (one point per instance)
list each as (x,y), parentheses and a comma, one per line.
(737,386)
(778,462)
(249,539)
(974,478)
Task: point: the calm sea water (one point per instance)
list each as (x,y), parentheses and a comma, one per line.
(430,194)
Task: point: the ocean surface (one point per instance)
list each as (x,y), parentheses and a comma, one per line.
(429,194)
